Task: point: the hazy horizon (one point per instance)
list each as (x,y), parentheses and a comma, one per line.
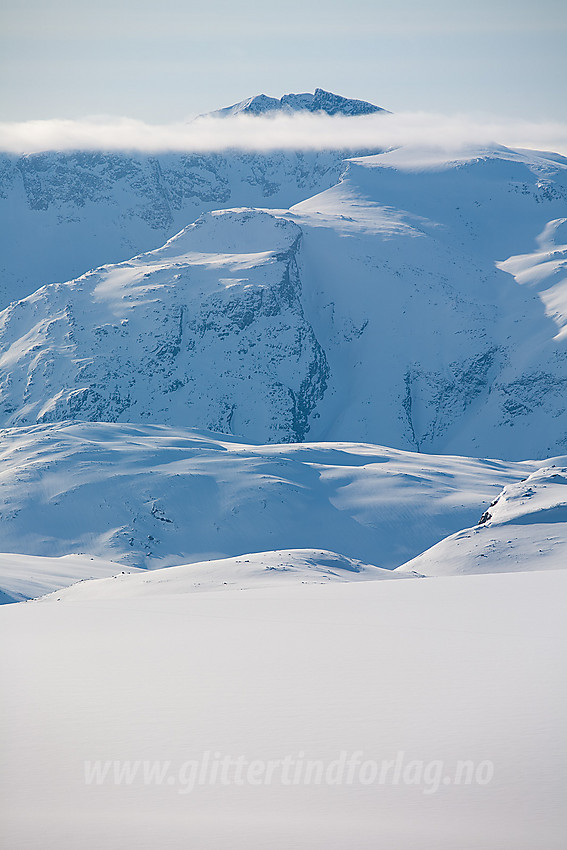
(279,131)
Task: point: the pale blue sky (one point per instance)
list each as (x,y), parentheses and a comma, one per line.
(165,60)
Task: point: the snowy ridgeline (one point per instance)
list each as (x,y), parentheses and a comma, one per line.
(320,101)
(81,209)
(419,303)
(524,528)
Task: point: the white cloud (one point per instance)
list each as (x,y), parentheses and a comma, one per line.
(300,131)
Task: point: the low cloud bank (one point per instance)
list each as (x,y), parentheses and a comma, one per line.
(283,132)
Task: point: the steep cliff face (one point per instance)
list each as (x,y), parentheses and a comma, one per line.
(208,330)
(437,289)
(62,214)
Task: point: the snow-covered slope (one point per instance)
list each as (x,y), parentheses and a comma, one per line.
(422,674)
(383,310)
(545,271)
(153,496)
(276,568)
(524,528)
(27,576)
(319,101)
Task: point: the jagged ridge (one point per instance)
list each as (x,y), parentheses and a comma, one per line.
(319,101)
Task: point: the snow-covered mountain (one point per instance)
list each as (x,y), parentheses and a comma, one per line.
(288,589)
(418,301)
(319,101)
(397,307)
(61,214)
(435,336)
(208,330)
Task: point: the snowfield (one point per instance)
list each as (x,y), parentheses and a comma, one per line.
(422,672)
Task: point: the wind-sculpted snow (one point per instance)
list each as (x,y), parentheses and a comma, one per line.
(149,496)
(524,528)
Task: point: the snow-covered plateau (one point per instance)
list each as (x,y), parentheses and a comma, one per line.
(283,481)
(421,673)
(156,496)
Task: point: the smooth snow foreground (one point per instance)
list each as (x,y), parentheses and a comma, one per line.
(421,674)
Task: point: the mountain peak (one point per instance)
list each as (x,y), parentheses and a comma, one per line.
(319,101)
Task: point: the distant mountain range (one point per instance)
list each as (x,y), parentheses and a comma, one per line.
(319,101)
